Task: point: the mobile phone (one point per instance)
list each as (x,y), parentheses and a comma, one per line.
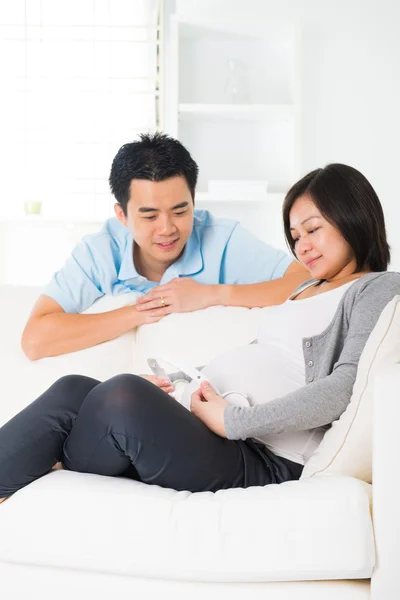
(157,369)
(177,362)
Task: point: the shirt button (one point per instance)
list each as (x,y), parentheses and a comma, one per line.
(310,379)
(308,344)
(310,363)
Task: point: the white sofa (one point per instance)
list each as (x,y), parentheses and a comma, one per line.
(74,535)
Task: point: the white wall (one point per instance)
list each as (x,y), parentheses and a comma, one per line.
(350,85)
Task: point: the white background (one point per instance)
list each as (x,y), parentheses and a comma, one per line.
(350,102)
(350,85)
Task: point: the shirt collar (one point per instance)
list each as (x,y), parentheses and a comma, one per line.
(127,269)
(190,263)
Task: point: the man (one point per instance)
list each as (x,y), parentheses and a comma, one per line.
(181,259)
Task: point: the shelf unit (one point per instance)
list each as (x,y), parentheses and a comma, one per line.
(246,112)
(232,97)
(240,120)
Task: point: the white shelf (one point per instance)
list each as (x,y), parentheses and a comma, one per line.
(234,29)
(234,111)
(205,198)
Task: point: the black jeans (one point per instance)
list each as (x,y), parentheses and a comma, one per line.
(127,426)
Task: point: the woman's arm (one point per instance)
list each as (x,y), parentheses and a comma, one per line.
(267,293)
(323,401)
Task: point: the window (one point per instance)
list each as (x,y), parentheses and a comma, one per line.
(79,78)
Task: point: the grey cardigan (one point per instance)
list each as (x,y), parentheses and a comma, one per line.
(331,360)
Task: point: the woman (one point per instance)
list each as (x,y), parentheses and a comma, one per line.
(128,426)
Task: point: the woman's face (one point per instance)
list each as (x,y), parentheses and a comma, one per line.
(319,245)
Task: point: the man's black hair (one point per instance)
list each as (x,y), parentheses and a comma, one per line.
(155,157)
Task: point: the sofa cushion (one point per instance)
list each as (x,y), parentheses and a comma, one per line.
(346,448)
(25,580)
(313,529)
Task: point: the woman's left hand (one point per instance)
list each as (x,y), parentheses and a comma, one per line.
(209,408)
(178,295)
(163,384)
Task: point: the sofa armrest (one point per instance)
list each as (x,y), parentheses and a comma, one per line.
(385,582)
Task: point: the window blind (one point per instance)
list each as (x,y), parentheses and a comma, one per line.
(79,78)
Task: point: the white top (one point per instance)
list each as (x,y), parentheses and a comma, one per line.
(274,366)
(280,338)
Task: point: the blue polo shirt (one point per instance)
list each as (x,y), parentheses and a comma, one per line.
(218,251)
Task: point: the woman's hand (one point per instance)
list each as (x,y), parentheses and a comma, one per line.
(178,295)
(209,408)
(163,384)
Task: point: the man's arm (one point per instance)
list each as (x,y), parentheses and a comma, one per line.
(57,325)
(51,331)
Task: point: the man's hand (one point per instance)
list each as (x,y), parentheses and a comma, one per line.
(179,295)
(163,384)
(209,408)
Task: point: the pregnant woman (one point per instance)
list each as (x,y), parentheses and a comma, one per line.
(299,376)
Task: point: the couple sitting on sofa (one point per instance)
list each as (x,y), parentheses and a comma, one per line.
(308,349)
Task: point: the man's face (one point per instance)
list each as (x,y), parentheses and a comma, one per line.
(160,219)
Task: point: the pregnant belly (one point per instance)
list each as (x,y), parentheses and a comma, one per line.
(259,372)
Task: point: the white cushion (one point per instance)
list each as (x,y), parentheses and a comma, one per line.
(103,360)
(107,303)
(346,448)
(303,530)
